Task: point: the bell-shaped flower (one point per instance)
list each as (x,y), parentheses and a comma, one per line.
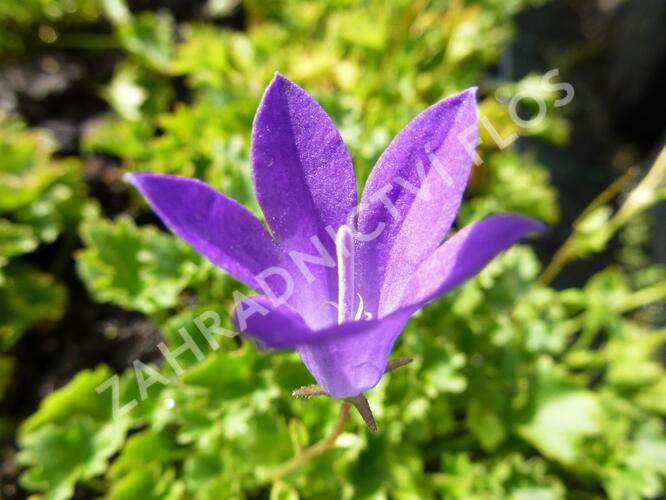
(339,279)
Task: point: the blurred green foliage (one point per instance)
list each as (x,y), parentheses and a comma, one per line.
(136,268)
(25,24)
(41,198)
(518,390)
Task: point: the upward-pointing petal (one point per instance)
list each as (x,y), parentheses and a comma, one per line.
(413,193)
(304,182)
(302,172)
(214,225)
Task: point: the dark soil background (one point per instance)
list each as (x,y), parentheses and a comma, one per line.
(614,54)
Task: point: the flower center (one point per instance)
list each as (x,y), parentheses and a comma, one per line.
(344,249)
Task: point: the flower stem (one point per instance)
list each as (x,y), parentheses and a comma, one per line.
(642,197)
(561,258)
(566,253)
(640,298)
(644,297)
(316,449)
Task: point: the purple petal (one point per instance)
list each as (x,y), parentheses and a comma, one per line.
(280,327)
(345,359)
(414,192)
(304,181)
(350,358)
(302,172)
(353,359)
(463,256)
(214,225)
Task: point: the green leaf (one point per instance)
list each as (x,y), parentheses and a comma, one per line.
(123,138)
(283,491)
(148,37)
(210,472)
(78,397)
(59,455)
(591,234)
(255,442)
(25,170)
(136,268)
(125,95)
(445,376)
(16,239)
(486,425)
(60,205)
(117,11)
(563,417)
(136,93)
(148,483)
(512,182)
(27,298)
(227,375)
(204,327)
(141,449)
(41,193)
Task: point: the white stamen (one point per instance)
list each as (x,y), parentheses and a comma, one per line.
(359,312)
(344,248)
(331,303)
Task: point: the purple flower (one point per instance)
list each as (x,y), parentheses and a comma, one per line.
(340,281)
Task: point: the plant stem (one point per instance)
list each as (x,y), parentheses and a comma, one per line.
(566,252)
(561,258)
(641,197)
(611,191)
(644,297)
(641,298)
(316,449)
